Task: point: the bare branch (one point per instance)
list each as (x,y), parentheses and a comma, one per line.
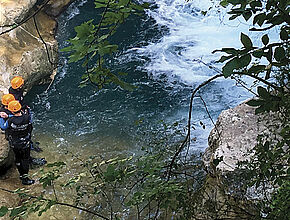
(58,203)
(187,138)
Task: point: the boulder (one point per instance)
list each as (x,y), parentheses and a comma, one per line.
(232,138)
(224,194)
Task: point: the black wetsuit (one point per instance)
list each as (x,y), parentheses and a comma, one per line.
(18,95)
(18,132)
(3,109)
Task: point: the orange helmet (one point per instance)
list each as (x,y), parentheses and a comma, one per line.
(17,82)
(7,98)
(14,106)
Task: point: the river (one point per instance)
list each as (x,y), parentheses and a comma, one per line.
(158,51)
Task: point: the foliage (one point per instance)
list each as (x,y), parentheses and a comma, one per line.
(134,187)
(153,185)
(269,64)
(253,60)
(92,46)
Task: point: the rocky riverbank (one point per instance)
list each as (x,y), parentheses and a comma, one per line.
(230,142)
(23,52)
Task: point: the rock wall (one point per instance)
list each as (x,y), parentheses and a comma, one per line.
(22,50)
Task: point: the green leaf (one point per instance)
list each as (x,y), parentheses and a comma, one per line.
(247,15)
(258,53)
(85,29)
(279,53)
(224,58)
(276,20)
(224,3)
(229,50)
(284,35)
(255,102)
(17,211)
(230,66)
(56,164)
(3,211)
(99,5)
(246,41)
(245,60)
(256,4)
(123,2)
(256,69)
(265,39)
(259,19)
(263,93)
(234,2)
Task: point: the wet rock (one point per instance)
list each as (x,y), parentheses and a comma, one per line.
(55,7)
(234,135)
(6,156)
(22,50)
(225,194)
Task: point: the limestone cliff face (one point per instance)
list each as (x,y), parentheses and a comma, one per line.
(235,134)
(233,138)
(22,51)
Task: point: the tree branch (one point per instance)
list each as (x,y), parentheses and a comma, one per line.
(187,138)
(25,20)
(57,203)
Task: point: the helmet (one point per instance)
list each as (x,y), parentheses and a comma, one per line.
(16,82)
(7,98)
(14,106)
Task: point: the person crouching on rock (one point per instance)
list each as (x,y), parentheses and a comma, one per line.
(18,127)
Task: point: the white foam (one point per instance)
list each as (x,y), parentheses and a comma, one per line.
(190,36)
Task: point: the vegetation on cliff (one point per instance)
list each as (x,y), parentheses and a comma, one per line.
(163,182)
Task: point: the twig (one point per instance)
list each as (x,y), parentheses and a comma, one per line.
(47,52)
(58,203)
(187,138)
(262,29)
(25,20)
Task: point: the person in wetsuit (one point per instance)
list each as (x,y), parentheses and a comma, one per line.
(4,112)
(16,89)
(18,127)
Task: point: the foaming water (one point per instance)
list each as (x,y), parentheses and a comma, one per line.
(158,51)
